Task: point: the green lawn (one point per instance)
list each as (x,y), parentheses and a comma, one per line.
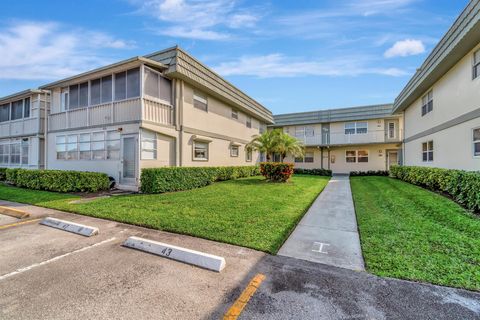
(248,212)
(411,233)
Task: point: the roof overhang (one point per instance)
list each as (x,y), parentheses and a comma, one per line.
(20,95)
(462,37)
(99,72)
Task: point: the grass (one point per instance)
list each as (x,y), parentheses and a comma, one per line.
(248,212)
(411,233)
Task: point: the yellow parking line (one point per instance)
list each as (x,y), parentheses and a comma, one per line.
(18,223)
(237,307)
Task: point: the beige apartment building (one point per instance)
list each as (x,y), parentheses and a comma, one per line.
(441,103)
(22,129)
(165,109)
(344,140)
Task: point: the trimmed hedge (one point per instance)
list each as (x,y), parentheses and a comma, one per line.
(276,171)
(313,172)
(3,174)
(168,179)
(369,173)
(462,186)
(58,180)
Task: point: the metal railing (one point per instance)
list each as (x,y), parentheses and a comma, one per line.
(340,138)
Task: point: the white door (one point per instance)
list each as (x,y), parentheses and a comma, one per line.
(392,159)
(129,160)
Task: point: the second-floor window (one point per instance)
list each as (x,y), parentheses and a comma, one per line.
(101,90)
(157,86)
(248,122)
(427,151)
(427,103)
(234,114)
(356,127)
(200,101)
(476,64)
(16,110)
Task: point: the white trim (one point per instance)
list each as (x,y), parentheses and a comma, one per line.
(475,141)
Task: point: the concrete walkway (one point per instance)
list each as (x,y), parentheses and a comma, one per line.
(328,232)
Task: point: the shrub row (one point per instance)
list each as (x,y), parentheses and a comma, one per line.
(3,174)
(462,186)
(276,171)
(369,173)
(168,179)
(58,180)
(314,172)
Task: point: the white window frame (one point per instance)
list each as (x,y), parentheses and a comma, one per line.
(350,156)
(248,156)
(394,130)
(206,143)
(474,142)
(355,127)
(476,65)
(233,153)
(202,98)
(363,156)
(234,114)
(153,140)
(429,151)
(427,103)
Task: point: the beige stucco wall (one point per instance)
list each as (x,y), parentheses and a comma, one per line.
(454,94)
(217,126)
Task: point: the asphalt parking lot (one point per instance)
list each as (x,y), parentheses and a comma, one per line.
(46,273)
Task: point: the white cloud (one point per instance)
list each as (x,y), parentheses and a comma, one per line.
(403,48)
(34,50)
(372,7)
(197,19)
(278,65)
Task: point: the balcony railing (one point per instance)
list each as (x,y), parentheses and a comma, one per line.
(21,127)
(112,113)
(340,138)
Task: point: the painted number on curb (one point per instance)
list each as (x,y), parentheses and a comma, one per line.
(321,246)
(166,252)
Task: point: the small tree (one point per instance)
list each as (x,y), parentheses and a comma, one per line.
(276,141)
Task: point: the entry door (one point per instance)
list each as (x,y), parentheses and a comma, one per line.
(129,160)
(392,158)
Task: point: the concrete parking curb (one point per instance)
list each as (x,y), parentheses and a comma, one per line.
(197,258)
(20,214)
(70,226)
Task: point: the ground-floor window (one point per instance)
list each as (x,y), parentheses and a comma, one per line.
(99,145)
(14,152)
(248,155)
(308,158)
(427,151)
(149,145)
(476,142)
(234,151)
(200,150)
(356,156)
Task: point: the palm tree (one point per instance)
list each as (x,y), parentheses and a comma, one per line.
(264,143)
(276,141)
(286,144)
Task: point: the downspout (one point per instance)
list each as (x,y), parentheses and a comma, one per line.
(46,112)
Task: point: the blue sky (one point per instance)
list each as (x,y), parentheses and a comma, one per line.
(289,55)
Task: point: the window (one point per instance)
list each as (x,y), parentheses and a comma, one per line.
(309,132)
(476,142)
(351,156)
(4,153)
(25,151)
(356,127)
(200,150)
(26,108)
(298,160)
(234,151)
(157,86)
(234,114)
(78,96)
(61,147)
(106,91)
(4,112)
(200,101)
(85,146)
(64,99)
(113,145)
(362,156)
(98,145)
(248,155)
(248,123)
(72,147)
(15,153)
(476,64)
(149,145)
(127,84)
(427,151)
(309,157)
(95,91)
(391,130)
(427,103)
(17,110)
(299,132)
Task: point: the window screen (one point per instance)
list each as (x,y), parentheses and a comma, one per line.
(120,86)
(106,89)
(73,101)
(4,112)
(83,96)
(133,83)
(26,111)
(95,88)
(17,110)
